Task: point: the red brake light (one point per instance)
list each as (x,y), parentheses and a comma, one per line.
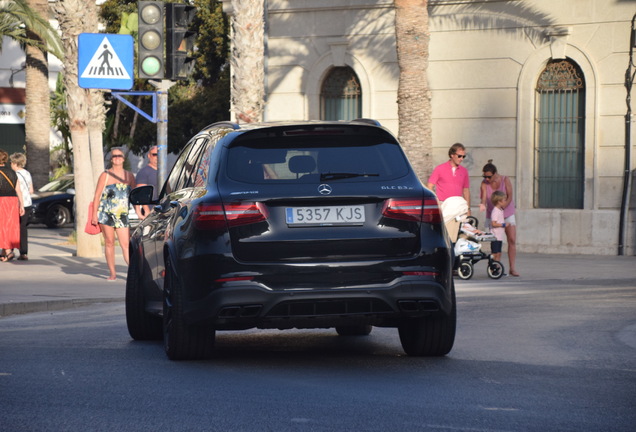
(215,216)
(432,213)
(209,216)
(244,213)
(426,210)
(420,273)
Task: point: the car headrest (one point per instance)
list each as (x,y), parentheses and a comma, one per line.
(302,164)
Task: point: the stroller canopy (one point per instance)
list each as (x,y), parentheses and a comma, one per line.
(453,208)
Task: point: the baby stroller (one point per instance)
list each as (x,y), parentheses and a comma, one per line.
(468,240)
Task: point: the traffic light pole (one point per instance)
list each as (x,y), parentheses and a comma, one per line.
(162,127)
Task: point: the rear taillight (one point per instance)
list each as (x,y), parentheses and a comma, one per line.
(432,213)
(244,213)
(420,210)
(215,216)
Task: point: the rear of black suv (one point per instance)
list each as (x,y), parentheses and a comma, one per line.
(308,225)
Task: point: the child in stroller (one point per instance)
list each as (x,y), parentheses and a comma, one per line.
(467,247)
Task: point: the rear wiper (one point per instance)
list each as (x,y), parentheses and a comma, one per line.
(343,175)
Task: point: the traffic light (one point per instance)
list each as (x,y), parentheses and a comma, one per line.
(179,40)
(150,53)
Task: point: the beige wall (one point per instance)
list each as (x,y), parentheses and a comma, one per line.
(484,63)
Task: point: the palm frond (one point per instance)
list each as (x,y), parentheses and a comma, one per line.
(18,20)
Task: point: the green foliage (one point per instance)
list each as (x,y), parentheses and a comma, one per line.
(19,22)
(129,23)
(191,107)
(61,154)
(112,12)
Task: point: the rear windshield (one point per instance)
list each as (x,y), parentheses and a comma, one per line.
(311,159)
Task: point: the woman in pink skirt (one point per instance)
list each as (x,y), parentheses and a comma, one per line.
(11,208)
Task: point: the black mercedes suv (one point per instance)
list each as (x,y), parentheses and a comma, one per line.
(291,225)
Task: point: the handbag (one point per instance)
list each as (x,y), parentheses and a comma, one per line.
(90,228)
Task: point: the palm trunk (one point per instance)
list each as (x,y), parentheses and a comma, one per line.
(96,121)
(75,17)
(414,98)
(37,123)
(247,60)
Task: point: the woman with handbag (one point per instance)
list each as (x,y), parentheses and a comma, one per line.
(110,207)
(18,162)
(11,208)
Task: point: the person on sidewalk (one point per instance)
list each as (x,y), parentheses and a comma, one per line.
(110,207)
(450,179)
(18,162)
(148,176)
(497,223)
(11,209)
(494,181)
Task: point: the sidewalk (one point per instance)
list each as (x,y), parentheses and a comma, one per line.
(55,279)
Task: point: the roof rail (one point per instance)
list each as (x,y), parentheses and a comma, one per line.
(229,124)
(368,121)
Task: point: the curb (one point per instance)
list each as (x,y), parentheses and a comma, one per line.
(21,308)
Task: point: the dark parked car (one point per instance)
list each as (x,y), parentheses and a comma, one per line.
(54,204)
(291,225)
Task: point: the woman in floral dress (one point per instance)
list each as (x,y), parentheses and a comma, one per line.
(110,207)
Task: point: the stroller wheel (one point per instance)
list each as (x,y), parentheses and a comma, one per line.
(495,269)
(465,270)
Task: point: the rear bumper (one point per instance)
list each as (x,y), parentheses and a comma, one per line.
(243,305)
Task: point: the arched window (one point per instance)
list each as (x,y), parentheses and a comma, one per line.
(341,97)
(559,136)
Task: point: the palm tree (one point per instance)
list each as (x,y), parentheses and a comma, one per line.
(75,17)
(414,96)
(27,23)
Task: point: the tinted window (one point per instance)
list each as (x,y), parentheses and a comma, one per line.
(310,159)
(182,170)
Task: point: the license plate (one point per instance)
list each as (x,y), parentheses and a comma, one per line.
(330,215)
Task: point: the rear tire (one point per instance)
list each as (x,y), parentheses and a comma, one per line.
(465,270)
(354,330)
(141,324)
(57,216)
(495,269)
(432,335)
(182,341)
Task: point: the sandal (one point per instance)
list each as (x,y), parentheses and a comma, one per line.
(7,257)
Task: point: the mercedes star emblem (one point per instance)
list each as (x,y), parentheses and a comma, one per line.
(324,189)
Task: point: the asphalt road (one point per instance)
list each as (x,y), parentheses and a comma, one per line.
(535,356)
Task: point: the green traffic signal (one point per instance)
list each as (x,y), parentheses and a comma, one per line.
(150,66)
(151,39)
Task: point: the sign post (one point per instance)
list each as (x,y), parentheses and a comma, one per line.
(162,127)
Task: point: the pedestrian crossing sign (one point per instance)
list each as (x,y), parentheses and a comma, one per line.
(105,61)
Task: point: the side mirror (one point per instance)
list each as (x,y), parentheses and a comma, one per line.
(70,191)
(142,195)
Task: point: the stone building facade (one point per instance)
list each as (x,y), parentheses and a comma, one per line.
(538,86)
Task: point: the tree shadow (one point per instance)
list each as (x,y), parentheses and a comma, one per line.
(515,19)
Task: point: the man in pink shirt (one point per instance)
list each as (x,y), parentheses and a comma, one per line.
(450,178)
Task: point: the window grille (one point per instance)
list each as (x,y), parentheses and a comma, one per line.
(559,143)
(341,97)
